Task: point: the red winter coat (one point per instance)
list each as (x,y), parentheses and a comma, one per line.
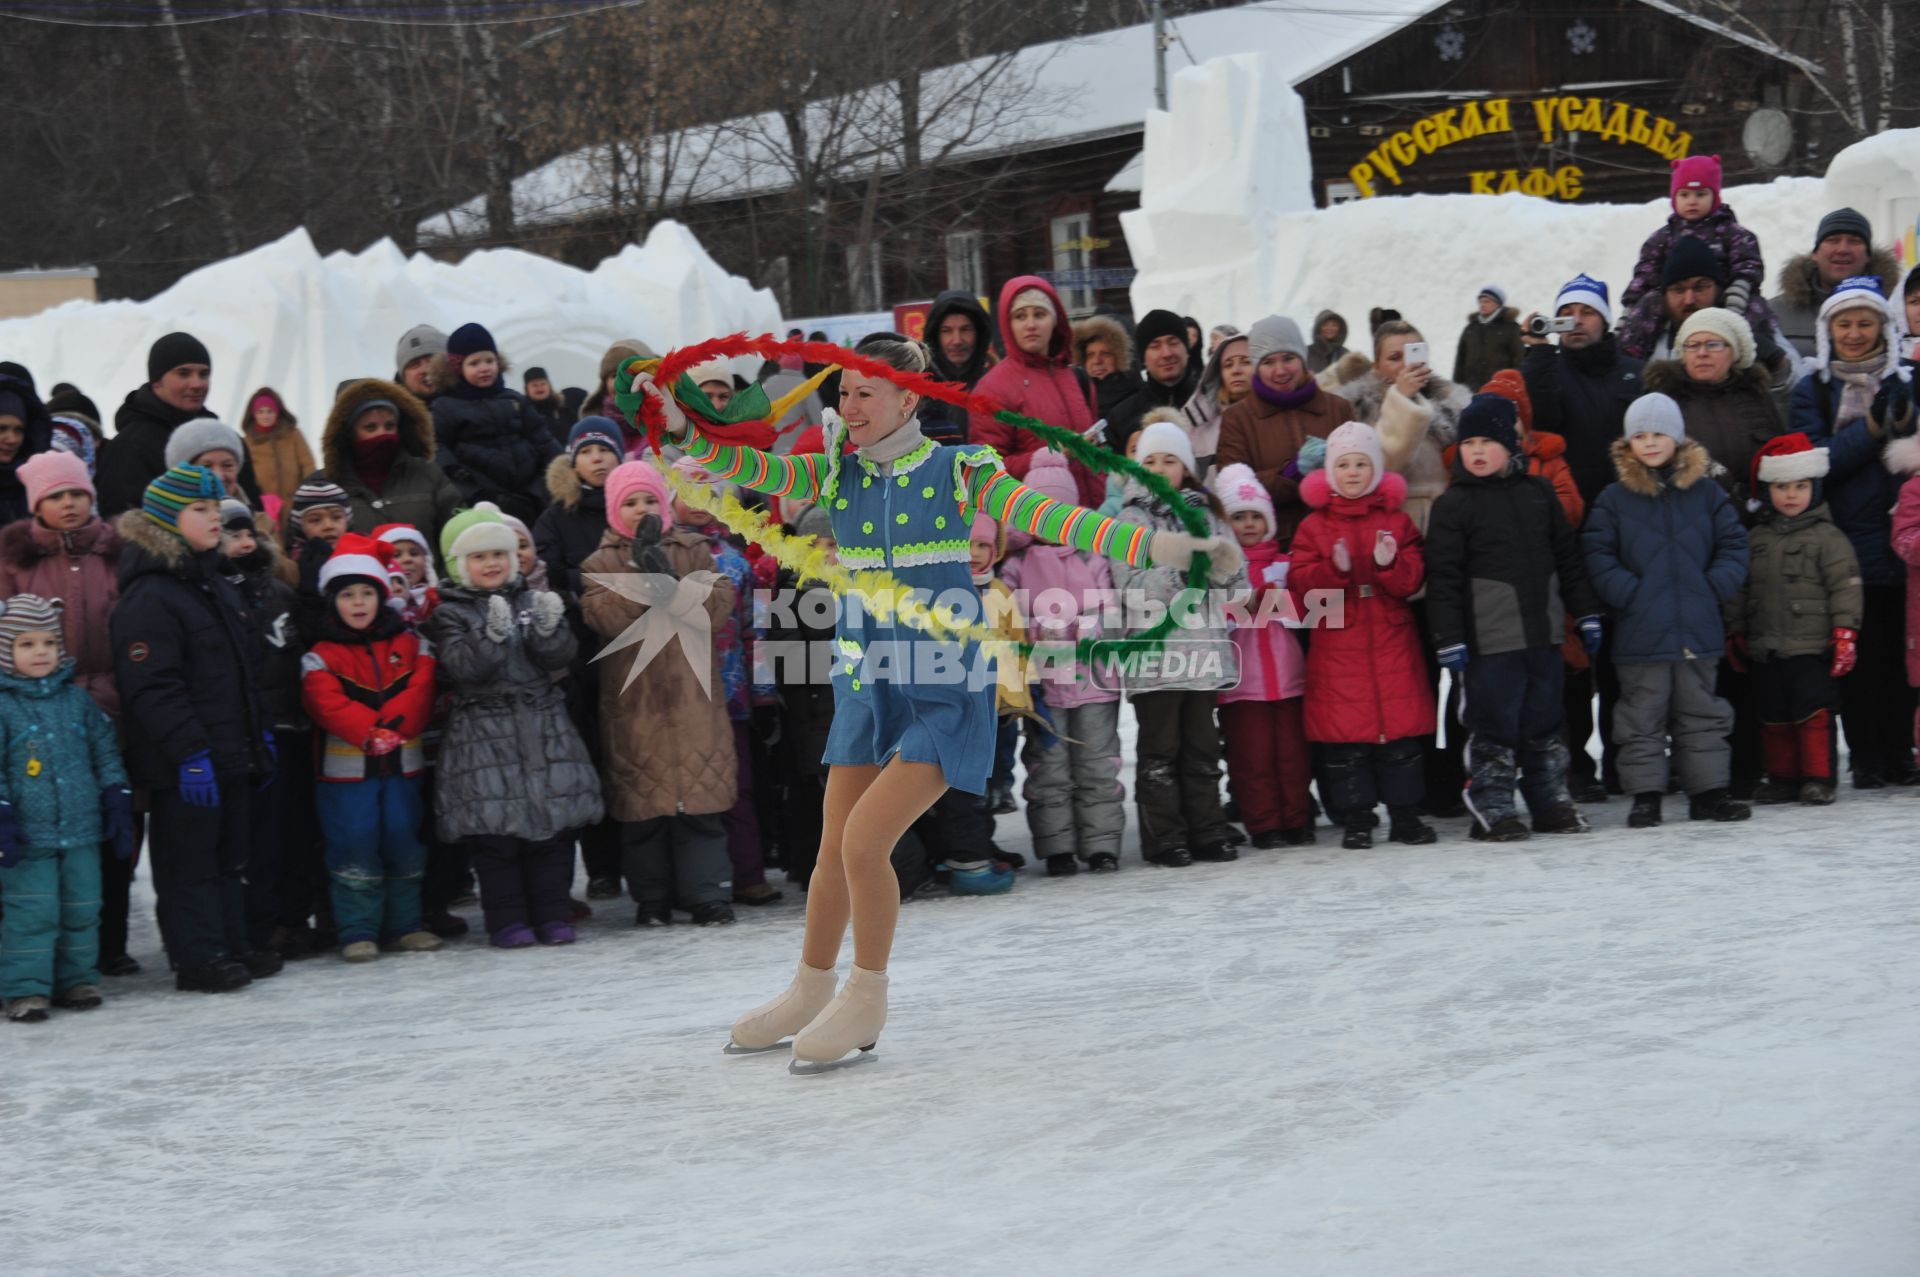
(1045,389)
(351,686)
(1367,680)
(82,569)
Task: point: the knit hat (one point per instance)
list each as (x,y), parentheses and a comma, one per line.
(358,560)
(25,614)
(1160,323)
(235,516)
(601,430)
(1860,292)
(1585,290)
(196,438)
(620,352)
(720,370)
(12,405)
(1724,324)
(1655,414)
(535,373)
(1691,258)
(46,473)
(1488,416)
(75,438)
(624,480)
(172,351)
(1164,436)
(1273,335)
(1048,474)
(366,406)
(1494,291)
(470,339)
(1238,489)
(317,492)
(474,531)
(177,489)
(1784,458)
(815,521)
(1032,297)
(421,339)
(1358,436)
(1844,221)
(1696,173)
(1509,384)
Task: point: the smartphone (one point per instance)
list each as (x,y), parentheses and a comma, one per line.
(1416,353)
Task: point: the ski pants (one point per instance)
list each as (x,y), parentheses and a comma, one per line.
(1075,802)
(1672,700)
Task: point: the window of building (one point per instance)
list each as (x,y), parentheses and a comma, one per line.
(966,266)
(1073,260)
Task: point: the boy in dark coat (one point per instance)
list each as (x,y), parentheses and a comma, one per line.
(1666,552)
(185,658)
(1503,568)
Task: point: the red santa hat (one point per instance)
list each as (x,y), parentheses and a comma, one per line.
(358,558)
(1786,458)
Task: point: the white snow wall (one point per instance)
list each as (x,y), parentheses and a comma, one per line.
(284,316)
(1226,231)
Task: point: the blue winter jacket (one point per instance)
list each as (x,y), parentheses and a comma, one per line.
(1664,551)
(1861,493)
(57,753)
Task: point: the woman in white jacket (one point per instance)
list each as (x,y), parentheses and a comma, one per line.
(1414,409)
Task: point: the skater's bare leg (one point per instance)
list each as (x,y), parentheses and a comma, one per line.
(827,904)
(892,802)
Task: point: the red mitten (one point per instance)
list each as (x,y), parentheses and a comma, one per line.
(384,741)
(1737,653)
(1845,650)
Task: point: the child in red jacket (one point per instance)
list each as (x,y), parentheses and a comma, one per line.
(368,684)
(1368,700)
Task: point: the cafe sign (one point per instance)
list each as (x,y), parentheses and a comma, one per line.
(1551,117)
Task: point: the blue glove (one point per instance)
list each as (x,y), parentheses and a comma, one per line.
(1590,633)
(197,784)
(116,819)
(273,758)
(1454,657)
(9,835)
(1312,455)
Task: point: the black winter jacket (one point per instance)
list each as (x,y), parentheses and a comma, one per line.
(273,611)
(570,529)
(137,453)
(39,437)
(1503,566)
(942,422)
(186,658)
(1582,396)
(495,448)
(1486,347)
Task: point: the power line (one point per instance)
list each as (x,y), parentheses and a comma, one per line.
(52,14)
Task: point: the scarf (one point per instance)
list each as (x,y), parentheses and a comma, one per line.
(884,452)
(1859,381)
(1285,398)
(372,458)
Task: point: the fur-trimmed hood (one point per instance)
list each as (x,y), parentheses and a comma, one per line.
(1800,278)
(416,425)
(1348,369)
(1690,464)
(1506,314)
(1669,377)
(1340,339)
(148,548)
(1317,491)
(26,542)
(1102,328)
(1355,381)
(563,482)
(1902,456)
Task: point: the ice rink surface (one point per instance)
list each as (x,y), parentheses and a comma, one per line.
(1691,1052)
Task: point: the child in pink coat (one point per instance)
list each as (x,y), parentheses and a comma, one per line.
(1268,765)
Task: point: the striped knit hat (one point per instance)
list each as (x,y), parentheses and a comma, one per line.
(317,492)
(177,489)
(23,614)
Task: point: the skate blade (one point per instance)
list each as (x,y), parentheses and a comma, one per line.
(734,1048)
(813,1068)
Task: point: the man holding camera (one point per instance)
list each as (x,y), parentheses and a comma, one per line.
(1580,391)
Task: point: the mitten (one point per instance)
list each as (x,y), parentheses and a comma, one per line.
(1169,549)
(1224,561)
(384,740)
(1312,454)
(9,836)
(198,787)
(1891,414)
(499,618)
(1845,650)
(548,612)
(647,554)
(116,819)
(1737,294)
(1194,498)
(1342,557)
(1453,657)
(1737,652)
(1591,633)
(1385,548)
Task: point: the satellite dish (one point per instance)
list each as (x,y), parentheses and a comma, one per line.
(1768,137)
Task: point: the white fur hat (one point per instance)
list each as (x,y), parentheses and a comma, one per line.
(1164,436)
(1238,489)
(1724,324)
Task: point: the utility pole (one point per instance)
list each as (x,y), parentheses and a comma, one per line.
(1159,55)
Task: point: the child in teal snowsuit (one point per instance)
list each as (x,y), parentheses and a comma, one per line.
(62,793)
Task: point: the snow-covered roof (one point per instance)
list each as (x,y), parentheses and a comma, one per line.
(1085,88)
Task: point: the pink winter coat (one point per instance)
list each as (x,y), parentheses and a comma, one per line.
(1272,666)
(1367,680)
(1906,544)
(1071,574)
(82,569)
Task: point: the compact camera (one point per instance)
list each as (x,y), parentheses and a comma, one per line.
(1541,325)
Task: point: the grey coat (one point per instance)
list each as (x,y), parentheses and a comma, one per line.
(1199,655)
(511,763)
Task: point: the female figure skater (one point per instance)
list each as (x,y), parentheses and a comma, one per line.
(904,505)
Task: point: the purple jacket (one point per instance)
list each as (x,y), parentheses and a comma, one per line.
(1040,567)
(1739,252)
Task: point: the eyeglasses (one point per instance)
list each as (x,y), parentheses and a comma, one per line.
(1707,346)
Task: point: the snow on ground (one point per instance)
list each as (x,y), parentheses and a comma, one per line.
(1682,1052)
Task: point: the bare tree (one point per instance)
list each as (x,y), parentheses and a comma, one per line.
(1844,49)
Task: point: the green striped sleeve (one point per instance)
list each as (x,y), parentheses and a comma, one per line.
(796,477)
(1002,497)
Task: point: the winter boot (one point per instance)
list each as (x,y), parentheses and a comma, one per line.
(759,894)
(1405,826)
(1063,865)
(603,888)
(1171,858)
(81,997)
(555,933)
(1506,829)
(417,942)
(261,963)
(1561,818)
(1780,754)
(771,1023)
(1717,804)
(120,964)
(222,975)
(1776,789)
(1268,840)
(1817,793)
(1815,750)
(653,916)
(851,1022)
(1359,836)
(448,926)
(1301,837)
(1103,862)
(515,935)
(359,951)
(715,913)
(1216,853)
(30,1010)
(978,878)
(1646,811)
